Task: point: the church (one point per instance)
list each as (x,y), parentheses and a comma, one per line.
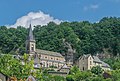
(42,58)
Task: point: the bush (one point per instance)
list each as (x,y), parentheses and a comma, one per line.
(69,78)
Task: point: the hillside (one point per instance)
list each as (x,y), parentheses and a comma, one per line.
(85,37)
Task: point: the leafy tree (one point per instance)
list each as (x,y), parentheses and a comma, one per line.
(13,67)
(85,37)
(116,75)
(76,75)
(97,70)
(69,78)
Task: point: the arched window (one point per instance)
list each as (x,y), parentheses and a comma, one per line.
(32,47)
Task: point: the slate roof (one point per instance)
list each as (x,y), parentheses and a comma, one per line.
(85,56)
(36,60)
(30,34)
(52,61)
(65,66)
(96,59)
(105,64)
(39,51)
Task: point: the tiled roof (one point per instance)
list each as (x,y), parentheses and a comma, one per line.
(39,51)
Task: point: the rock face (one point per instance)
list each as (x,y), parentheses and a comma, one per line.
(70,53)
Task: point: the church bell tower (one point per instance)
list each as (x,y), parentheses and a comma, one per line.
(30,42)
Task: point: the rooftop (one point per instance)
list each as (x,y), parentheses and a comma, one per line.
(39,51)
(96,59)
(30,34)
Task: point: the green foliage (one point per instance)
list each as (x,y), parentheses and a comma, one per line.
(94,75)
(52,66)
(97,79)
(116,75)
(69,78)
(114,62)
(10,66)
(85,37)
(76,75)
(12,40)
(58,78)
(74,70)
(42,75)
(96,70)
(13,67)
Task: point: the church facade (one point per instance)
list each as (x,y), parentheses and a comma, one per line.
(42,58)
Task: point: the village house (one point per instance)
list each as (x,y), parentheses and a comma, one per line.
(86,62)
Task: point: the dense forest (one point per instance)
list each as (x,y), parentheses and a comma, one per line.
(85,37)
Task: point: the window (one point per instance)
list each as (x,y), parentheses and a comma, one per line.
(90,63)
(83,68)
(32,47)
(90,58)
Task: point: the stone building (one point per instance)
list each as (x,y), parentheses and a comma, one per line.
(86,62)
(42,58)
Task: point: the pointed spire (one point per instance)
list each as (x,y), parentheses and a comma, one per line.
(30,36)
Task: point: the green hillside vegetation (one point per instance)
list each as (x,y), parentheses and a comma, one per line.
(85,37)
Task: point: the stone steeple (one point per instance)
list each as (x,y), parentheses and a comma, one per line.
(30,36)
(30,42)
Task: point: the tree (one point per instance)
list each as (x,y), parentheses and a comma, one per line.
(76,75)
(69,78)
(13,67)
(116,75)
(96,70)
